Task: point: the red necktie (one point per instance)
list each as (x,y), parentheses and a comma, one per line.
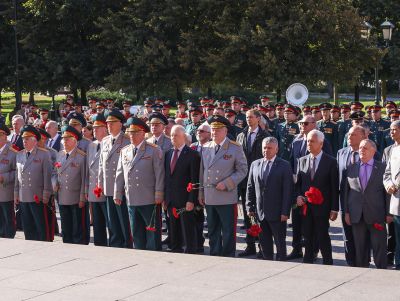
(174,159)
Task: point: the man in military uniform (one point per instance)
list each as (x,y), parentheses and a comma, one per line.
(69,183)
(51,208)
(233,129)
(7,178)
(378,127)
(92,109)
(287,131)
(389,106)
(236,105)
(316,113)
(335,113)
(328,127)
(126,104)
(344,124)
(118,222)
(140,174)
(44,117)
(78,121)
(33,188)
(279,110)
(98,203)
(158,122)
(195,114)
(387,138)
(223,167)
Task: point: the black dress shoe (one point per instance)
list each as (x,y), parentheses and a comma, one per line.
(165,241)
(295,255)
(248,251)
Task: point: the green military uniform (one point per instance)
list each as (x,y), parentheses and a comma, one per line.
(378,133)
(286,132)
(343,128)
(330,130)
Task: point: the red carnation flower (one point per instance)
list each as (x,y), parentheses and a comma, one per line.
(57,164)
(36,199)
(97,191)
(175,213)
(379,227)
(189,187)
(254,230)
(152,229)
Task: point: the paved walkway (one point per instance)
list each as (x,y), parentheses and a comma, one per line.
(53,271)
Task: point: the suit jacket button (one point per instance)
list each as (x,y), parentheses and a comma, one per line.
(217,171)
(216,178)
(137,184)
(137,178)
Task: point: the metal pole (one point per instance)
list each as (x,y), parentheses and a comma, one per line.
(377,88)
(18,96)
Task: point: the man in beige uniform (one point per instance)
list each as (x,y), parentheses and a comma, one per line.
(7,178)
(32,188)
(69,182)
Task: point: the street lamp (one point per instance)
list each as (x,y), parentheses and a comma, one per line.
(387,30)
(18,96)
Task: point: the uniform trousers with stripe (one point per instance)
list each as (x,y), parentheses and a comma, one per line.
(118,224)
(142,217)
(100,223)
(75,224)
(8,224)
(221,220)
(35,221)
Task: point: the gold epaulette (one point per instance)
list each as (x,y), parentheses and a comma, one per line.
(81,152)
(13,149)
(151,144)
(234,142)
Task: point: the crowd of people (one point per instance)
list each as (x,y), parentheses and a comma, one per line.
(123,171)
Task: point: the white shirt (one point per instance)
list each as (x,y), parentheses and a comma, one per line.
(318,159)
(179,152)
(52,140)
(253,135)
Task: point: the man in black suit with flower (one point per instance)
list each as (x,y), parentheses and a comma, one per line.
(182,165)
(320,171)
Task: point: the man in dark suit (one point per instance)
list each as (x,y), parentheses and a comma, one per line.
(55,141)
(298,150)
(345,157)
(317,170)
(269,197)
(15,138)
(182,165)
(251,140)
(367,206)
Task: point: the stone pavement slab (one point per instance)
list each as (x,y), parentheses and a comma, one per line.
(55,271)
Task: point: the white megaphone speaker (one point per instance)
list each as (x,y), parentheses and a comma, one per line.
(297,94)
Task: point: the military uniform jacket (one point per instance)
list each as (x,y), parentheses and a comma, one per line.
(228,165)
(92,164)
(33,175)
(378,133)
(108,161)
(7,171)
(163,142)
(286,132)
(330,130)
(70,177)
(140,177)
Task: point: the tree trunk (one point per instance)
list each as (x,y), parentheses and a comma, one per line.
(83,96)
(209,91)
(178,92)
(1,89)
(335,94)
(357,93)
(278,95)
(137,97)
(384,91)
(31,98)
(75,93)
(331,92)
